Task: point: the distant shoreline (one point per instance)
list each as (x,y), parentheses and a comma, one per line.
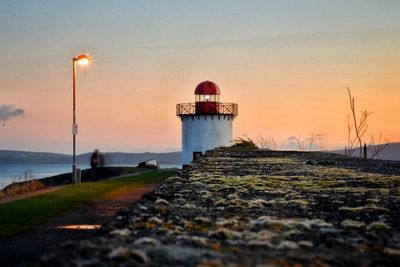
(111,158)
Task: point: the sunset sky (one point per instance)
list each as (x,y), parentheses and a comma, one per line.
(286,63)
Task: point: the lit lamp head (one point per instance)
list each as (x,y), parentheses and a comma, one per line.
(82,60)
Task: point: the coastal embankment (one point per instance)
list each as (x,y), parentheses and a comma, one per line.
(65,179)
(255,208)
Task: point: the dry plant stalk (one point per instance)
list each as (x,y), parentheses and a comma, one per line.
(378,147)
(313,139)
(22,183)
(349,151)
(269,143)
(309,142)
(360,126)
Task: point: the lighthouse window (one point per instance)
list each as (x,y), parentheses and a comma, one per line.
(207,98)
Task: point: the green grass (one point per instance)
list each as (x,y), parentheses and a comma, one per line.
(23,214)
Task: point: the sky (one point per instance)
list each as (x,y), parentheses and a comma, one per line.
(286,63)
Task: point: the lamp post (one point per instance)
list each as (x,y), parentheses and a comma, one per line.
(82,60)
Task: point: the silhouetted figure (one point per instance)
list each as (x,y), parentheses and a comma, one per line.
(96,160)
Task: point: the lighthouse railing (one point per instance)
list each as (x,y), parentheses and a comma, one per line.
(221,109)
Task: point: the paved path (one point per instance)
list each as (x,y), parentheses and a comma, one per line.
(33,243)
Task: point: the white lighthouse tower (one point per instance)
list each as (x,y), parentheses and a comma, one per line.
(207,123)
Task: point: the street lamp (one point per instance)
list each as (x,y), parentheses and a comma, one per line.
(81,60)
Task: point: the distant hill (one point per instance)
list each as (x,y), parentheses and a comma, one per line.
(391,152)
(27,157)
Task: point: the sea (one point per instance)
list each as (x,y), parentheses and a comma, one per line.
(10,173)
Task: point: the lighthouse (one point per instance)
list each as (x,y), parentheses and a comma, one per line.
(207,123)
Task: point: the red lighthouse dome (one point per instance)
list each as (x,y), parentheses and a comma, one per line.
(207,88)
(207,98)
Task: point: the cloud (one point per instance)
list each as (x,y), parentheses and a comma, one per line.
(9,111)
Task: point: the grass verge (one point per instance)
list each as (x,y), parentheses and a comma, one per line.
(20,188)
(23,214)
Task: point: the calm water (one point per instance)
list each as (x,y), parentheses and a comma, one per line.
(8,172)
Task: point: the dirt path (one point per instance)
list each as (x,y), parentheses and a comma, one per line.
(33,243)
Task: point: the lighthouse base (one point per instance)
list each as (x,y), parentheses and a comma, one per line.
(202,133)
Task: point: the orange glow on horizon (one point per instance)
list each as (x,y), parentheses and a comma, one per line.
(285,86)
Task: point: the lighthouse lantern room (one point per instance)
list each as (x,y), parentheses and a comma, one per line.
(207,123)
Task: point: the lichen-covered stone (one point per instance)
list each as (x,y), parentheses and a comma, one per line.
(378,226)
(256,208)
(352,224)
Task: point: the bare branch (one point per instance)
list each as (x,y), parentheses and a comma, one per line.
(360,126)
(378,147)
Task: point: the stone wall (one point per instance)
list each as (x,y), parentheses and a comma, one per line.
(256,208)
